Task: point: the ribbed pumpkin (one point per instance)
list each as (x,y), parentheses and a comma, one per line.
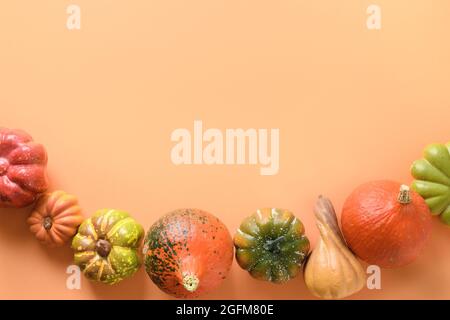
(106,246)
(385,223)
(271,245)
(188,252)
(23,165)
(432,174)
(55,218)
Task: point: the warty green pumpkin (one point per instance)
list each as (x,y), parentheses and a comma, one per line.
(432,174)
(106,246)
(271,245)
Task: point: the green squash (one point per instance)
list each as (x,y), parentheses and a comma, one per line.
(106,246)
(271,245)
(432,182)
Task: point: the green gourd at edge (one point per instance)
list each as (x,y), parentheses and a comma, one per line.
(432,174)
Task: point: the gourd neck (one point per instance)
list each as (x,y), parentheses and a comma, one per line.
(404,196)
(190,282)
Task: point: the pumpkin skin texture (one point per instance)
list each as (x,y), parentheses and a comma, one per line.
(271,245)
(55,218)
(22,169)
(385,223)
(432,174)
(188,252)
(106,246)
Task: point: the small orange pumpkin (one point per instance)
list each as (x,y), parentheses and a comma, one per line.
(55,218)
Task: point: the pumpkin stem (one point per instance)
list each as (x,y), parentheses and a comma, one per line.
(404,196)
(274,245)
(103,247)
(47,223)
(190,282)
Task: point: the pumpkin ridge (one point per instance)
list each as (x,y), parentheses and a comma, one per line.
(444,174)
(439,156)
(117,226)
(8,182)
(434,202)
(424,169)
(94,234)
(83,254)
(100,273)
(63,229)
(248,266)
(72,212)
(62,205)
(34,228)
(36,183)
(438,188)
(105,221)
(69,220)
(56,236)
(27,153)
(91,264)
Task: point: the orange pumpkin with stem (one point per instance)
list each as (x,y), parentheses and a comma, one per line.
(55,218)
(385,223)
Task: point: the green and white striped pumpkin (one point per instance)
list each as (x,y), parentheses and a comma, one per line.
(106,246)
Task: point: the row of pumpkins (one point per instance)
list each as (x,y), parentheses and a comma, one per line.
(188,252)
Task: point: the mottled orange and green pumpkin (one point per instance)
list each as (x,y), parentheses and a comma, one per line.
(271,245)
(188,252)
(106,246)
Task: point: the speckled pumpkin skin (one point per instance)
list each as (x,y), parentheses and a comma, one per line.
(271,245)
(188,241)
(124,235)
(23,165)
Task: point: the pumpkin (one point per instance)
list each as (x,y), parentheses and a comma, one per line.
(188,252)
(332,271)
(432,174)
(22,169)
(106,246)
(55,218)
(271,245)
(385,223)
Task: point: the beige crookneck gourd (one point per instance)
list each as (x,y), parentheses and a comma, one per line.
(332,271)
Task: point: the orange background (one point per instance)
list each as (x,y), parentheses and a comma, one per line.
(352,105)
